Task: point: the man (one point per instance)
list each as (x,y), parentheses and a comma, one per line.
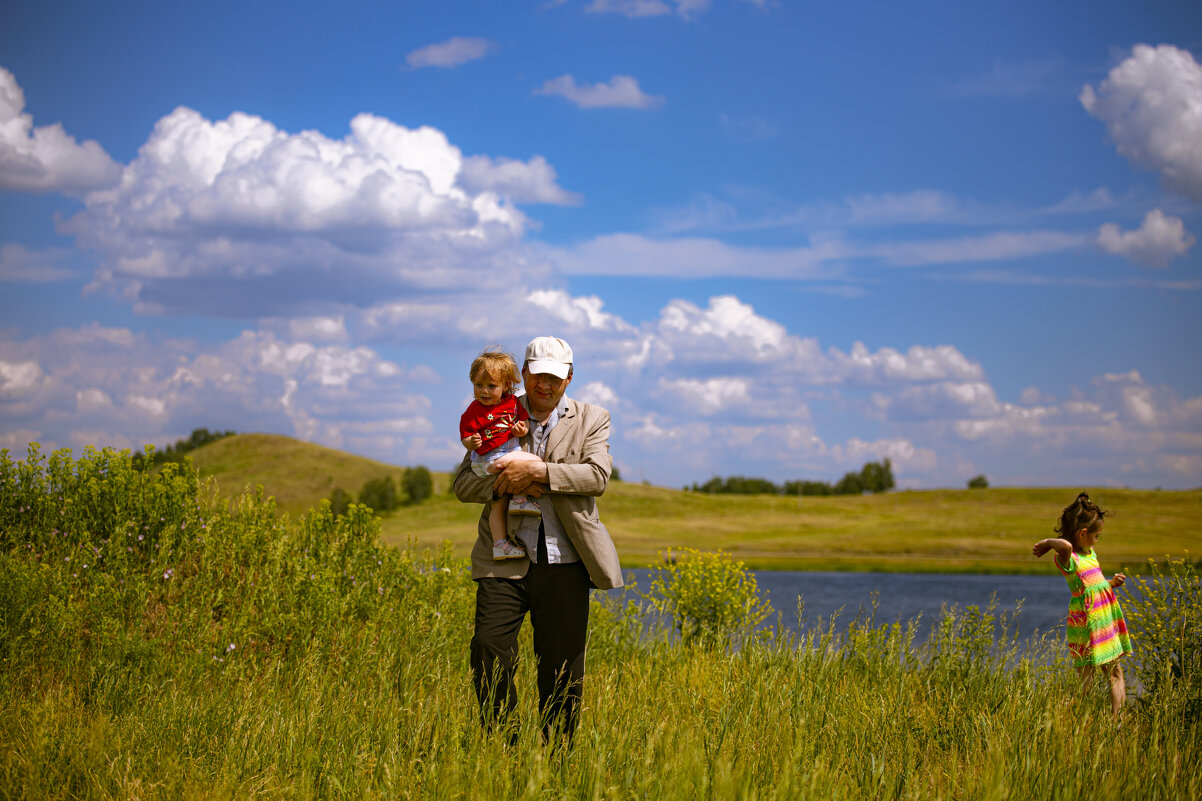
(568,546)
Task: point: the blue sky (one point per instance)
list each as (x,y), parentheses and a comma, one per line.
(783,239)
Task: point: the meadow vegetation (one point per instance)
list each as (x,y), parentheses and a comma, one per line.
(160,642)
(951,531)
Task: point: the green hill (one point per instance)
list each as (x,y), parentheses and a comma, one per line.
(913,531)
(298,474)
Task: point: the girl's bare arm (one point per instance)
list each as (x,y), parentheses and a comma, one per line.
(1062,547)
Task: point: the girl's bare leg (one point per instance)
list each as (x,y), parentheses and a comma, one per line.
(497,524)
(1113,671)
(1118,685)
(515,456)
(1087,676)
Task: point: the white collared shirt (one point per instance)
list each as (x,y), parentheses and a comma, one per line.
(559,547)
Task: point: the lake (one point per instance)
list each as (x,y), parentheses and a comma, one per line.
(905,596)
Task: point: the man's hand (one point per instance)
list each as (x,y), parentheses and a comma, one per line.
(522,477)
(472,442)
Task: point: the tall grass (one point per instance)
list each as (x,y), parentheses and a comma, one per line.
(348,677)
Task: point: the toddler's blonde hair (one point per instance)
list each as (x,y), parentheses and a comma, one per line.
(497,365)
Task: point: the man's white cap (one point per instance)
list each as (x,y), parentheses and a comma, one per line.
(549,355)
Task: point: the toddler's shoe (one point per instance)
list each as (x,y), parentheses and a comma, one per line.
(524,505)
(507,550)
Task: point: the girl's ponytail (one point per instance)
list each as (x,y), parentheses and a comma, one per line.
(1081,513)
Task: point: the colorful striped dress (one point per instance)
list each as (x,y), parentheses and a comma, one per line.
(1097,630)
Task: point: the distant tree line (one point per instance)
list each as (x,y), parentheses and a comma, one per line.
(383,495)
(176,452)
(872,477)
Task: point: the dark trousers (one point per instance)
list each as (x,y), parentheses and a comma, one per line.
(556,596)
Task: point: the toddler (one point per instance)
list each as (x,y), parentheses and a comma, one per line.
(490,429)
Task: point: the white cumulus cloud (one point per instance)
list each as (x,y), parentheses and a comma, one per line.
(942,401)
(699,390)
(46,159)
(321,329)
(710,396)
(20,265)
(1159,240)
(989,247)
(87,400)
(18,378)
(531,181)
(1152,106)
(694,257)
(451,53)
(634,9)
(622,91)
(918,364)
(578,313)
(239,218)
(115,387)
(729,330)
(598,393)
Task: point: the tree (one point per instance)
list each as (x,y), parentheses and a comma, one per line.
(850,484)
(615,475)
(978,482)
(808,488)
(340,501)
(176,451)
(877,476)
(380,494)
(738,485)
(417,484)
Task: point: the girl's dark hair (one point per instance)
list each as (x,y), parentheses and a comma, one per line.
(1081,513)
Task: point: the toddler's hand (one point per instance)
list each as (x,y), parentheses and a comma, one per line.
(1040,548)
(520,428)
(1118,580)
(472,442)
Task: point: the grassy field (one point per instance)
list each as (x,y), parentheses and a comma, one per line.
(156,643)
(909,531)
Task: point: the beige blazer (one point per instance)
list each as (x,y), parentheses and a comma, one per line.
(578,468)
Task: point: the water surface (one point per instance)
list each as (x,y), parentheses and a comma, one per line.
(904,596)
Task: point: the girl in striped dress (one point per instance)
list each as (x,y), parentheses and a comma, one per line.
(1097,630)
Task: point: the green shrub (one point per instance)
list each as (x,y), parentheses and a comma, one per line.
(120,576)
(340,501)
(380,494)
(711,599)
(417,484)
(1165,615)
(978,482)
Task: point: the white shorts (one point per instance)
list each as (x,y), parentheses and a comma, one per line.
(480,463)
